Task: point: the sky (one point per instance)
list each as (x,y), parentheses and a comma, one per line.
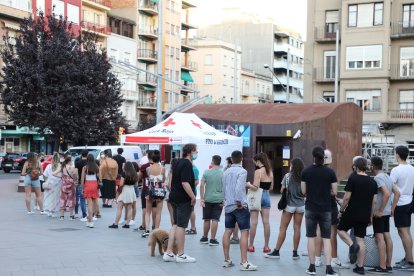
(286,13)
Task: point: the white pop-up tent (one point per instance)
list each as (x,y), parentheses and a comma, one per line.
(183,128)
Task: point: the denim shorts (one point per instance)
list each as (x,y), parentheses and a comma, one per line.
(294,209)
(136,189)
(266,200)
(313,219)
(29,182)
(239,216)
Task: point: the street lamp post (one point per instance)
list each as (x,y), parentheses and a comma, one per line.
(274,75)
(159,65)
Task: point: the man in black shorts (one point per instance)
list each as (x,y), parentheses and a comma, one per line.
(182,198)
(211,193)
(356,212)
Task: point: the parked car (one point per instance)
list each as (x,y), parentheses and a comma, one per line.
(1,158)
(13,161)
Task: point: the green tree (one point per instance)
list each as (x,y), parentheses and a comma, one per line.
(61,83)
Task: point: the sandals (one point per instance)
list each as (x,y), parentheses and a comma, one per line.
(250,249)
(191,232)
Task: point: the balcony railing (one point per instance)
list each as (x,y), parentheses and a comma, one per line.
(147,103)
(190,65)
(324,34)
(93,27)
(150,31)
(189,85)
(148,6)
(130,95)
(320,75)
(147,54)
(401,72)
(106,3)
(402,29)
(401,115)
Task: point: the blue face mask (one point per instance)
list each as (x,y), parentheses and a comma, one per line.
(194,156)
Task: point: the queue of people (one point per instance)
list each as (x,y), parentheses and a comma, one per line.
(311,192)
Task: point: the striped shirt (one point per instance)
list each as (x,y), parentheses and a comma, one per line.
(234,187)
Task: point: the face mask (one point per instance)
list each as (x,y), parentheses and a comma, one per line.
(62,160)
(194,156)
(102,156)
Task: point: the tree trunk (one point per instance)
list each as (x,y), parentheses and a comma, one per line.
(56,144)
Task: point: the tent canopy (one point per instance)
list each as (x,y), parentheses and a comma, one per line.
(182,128)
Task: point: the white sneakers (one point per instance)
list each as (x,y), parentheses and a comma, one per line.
(85,219)
(132,222)
(89,224)
(247,267)
(30,212)
(169,257)
(43,212)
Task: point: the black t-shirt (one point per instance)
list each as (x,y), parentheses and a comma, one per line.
(319,181)
(127,181)
(183,172)
(120,160)
(79,164)
(363,189)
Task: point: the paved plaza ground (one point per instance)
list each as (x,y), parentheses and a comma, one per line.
(38,245)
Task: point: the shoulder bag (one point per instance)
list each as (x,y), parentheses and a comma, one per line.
(283,200)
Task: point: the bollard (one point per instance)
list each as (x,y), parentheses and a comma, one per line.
(20,187)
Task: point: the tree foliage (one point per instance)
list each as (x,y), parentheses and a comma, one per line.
(61,83)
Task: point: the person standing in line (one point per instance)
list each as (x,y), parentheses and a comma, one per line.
(211,194)
(193,230)
(318,184)
(295,208)
(235,236)
(182,197)
(155,180)
(90,187)
(32,169)
(143,176)
(403,177)
(174,162)
(120,160)
(108,172)
(53,177)
(79,164)
(387,192)
(356,212)
(144,159)
(68,188)
(263,178)
(236,210)
(129,179)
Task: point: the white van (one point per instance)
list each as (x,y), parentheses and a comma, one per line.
(131,153)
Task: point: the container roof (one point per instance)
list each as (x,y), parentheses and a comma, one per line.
(273,114)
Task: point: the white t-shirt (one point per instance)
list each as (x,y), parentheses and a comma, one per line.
(403,177)
(144,160)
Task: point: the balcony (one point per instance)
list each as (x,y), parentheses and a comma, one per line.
(147,56)
(130,95)
(147,103)
(325,35)
(191,66)
(148,33)
(99,4)
(185,47)
(320,76)
(402,29)
(401,116)
(292,81)
(148,7)
(185,25)
(93,27)
(148,80)
(401,72)
(187,4)
(189,89)
(282,48)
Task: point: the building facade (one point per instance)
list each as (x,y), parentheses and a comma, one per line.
(277,48)
(375,61)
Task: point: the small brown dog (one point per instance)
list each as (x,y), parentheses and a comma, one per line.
(160,237)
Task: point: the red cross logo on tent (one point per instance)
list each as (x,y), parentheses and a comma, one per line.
(196,124)
(170,121)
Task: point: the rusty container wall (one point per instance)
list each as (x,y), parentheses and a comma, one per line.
(343,137)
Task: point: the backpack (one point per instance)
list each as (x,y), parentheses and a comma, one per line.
(34,174)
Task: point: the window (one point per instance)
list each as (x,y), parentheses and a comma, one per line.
(364,57)
(40,6)
(97,19)
(331,23)
(168,4)
(329,65)
(167,49)
(85,15)
(365,15)
(167,76)
(407,99)
(73,13)
(58,8)
(208,79)
(177,29)
(329,96)
(368,100)
(208,59)
(167,29)
(408,16)
(172,6)
(172,29)
(177,55)
(407,62)
(177,75)
(172,52)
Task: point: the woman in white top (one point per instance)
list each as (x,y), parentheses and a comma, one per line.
(53,177)
(156,181)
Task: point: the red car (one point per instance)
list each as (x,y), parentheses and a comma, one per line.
(46,161)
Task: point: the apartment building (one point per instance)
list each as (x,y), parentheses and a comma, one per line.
(95,19)
(376,61)
(262,42)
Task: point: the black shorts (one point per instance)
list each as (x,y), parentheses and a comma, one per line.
(144,202)
(108,189)
(381,225)
(182,213)
(402,216)
(360,228)
(212,211)
(334,216)
(312,220)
